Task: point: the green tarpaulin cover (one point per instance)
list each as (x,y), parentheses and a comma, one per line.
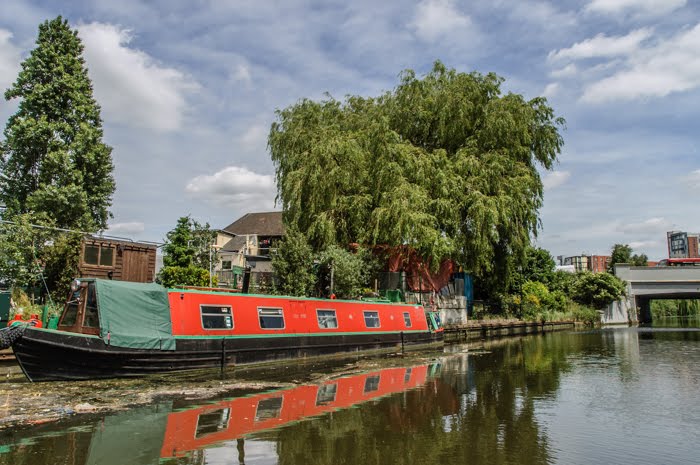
(134,315)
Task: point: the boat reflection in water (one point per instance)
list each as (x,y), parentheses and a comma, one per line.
(166,433)
(232,419)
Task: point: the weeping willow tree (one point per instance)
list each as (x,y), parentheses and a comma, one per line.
(446,164)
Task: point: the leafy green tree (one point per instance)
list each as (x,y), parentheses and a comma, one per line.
(538,266)
(21,249)
(178,249)
(351,271)
(622,253)
(446,164)
(53,159)
(186,254)
(56,171)
(597,289)
(293,262)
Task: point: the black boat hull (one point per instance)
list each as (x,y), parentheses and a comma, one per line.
(46,355)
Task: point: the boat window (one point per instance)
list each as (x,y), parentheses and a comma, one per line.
(212,422)
(91,318)
(326,394)
(216,316)
(407,376)
(371,384)
(326,319)
(70,314)
(372,319)
(271,318)
(407,319)
(268,409)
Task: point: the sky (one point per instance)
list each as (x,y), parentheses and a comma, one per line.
(189,89)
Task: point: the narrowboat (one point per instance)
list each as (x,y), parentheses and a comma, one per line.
(231,419)
(112,329)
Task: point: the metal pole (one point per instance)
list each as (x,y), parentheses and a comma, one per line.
(332,270)
(210,270)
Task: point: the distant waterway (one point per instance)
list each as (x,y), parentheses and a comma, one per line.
(604,396)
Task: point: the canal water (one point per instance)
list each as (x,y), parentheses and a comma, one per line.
(604,396)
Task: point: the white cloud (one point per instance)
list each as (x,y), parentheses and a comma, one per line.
(567,71)
(650,7)
(554,179)
(551,90)
(671,65)
(255,137)
(235,186)
(435,18)
(9,60)
(126,228)
(241,74)
(650,226)
(130,85)
(603,46)
(692,180)
(643,244)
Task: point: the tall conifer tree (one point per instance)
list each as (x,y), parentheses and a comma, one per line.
(53,160)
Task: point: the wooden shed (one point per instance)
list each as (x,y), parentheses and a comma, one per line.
(118,259)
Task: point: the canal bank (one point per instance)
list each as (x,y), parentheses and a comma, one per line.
(494,329)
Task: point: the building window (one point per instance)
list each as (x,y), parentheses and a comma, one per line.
(216,316)
(407,319)
(271,318)
(326,319)
(98,255)
(226,264)
(372,319)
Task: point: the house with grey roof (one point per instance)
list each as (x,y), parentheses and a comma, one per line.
(247,242)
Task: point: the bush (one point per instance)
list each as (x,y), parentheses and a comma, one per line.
(597,290)
(585,315)
(172,276)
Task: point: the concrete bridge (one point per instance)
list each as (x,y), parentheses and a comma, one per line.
(645,284)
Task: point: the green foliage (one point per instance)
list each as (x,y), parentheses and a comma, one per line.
(53,159)
(622,253)
(186,254)
(538,265)
(351,271)
(173,276)
(597,290)
(21,247)
(189,244)
(292,260)
(446,164)
(562,281)
(535,296)
(587,315)
(674,307)
(56,171)
(61,262)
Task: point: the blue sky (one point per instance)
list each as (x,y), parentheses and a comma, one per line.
(188,90)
